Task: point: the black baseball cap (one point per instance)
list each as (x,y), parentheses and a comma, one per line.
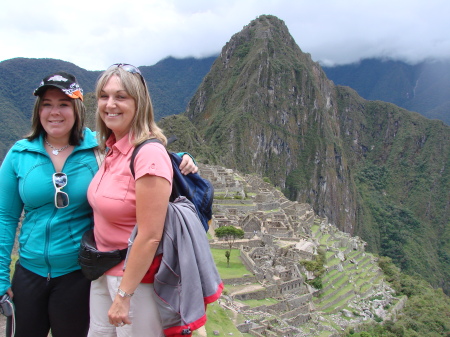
(61,80)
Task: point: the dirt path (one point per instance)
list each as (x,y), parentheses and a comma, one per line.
(2,325)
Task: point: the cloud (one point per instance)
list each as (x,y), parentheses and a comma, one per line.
(95,34)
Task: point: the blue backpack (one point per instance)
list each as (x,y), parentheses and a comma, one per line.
(198,190)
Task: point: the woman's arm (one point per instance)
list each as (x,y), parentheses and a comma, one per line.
(152,199)
(11,206)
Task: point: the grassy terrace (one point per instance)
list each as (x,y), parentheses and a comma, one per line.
(324,239)
(257,303)
(331,276)
(315,230)
(236,268)
(358,275)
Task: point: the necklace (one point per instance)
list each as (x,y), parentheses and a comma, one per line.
(55,151)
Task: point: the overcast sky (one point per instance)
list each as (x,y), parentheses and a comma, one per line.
(94,34)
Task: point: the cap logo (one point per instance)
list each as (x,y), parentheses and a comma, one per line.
(74,91)
(58,78)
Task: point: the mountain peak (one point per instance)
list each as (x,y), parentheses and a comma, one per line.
(260,80)
(262,62)
(267,35)
(265,27)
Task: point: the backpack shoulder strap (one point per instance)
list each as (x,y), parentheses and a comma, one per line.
(175,160)
(136,150)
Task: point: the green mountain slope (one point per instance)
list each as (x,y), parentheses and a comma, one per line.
(372,168)
(423,87)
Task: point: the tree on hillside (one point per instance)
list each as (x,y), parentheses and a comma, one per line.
(229,234)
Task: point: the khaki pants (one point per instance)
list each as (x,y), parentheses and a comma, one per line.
(144,314)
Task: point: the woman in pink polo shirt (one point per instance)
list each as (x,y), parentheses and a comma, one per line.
(121,302)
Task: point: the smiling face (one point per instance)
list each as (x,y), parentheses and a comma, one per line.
(116,107)
(57,116)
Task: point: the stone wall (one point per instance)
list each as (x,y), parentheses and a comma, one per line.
(247,261)
(300,300)
(276,308)
(296,286)
(240,280)
(254,295)
(303,310)
(300,319)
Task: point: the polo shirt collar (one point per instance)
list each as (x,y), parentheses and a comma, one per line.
(123,145)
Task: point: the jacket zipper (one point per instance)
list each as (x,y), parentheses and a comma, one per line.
(47,240)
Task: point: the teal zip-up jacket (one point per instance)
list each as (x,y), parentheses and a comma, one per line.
(49,238)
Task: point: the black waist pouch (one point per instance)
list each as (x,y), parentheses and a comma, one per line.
(93,262)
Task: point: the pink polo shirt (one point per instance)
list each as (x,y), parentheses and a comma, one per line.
(112,193)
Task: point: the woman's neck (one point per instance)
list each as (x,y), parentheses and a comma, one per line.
(57,141)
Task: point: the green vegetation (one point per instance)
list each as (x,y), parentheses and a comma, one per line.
(427,311)
(235,269)
(224,321)
(317,267)
(404,215)
(229,234)
(257,303)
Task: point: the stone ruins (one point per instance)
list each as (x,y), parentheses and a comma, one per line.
(279,234)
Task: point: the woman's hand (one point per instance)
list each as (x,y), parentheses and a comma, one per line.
(118,313)
(187,165)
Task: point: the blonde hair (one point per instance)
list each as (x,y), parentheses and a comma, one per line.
(143,125)
(76,133)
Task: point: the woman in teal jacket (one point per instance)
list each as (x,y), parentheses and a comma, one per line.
(44,178)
